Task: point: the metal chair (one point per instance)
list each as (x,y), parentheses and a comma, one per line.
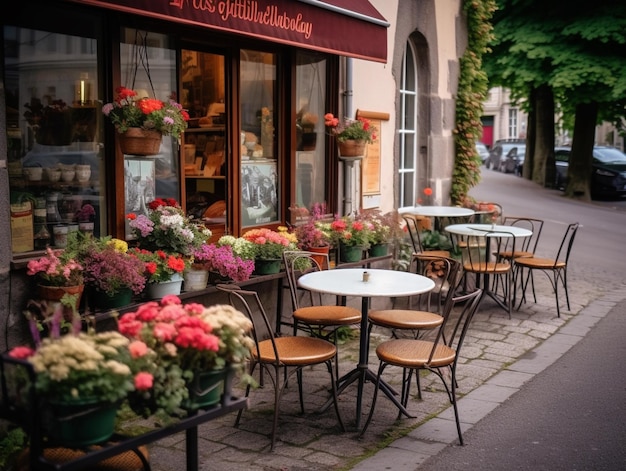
(477,259)
(412,225)
(437,356)
(315,318)
(529,244)
(555,268)
(444,271)
(289,353)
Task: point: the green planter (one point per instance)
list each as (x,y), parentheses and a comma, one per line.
(82,423)
(350,253)
(379,250)
(104,301)
(269,266)
(206,388)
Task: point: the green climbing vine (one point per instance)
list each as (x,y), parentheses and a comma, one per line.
(472,91)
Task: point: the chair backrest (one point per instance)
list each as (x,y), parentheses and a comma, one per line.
(297,263)
(413,230)
(477,250)
(488,213)
(527,244)
(566,243)
(457,316)
(444,272)
(250,304)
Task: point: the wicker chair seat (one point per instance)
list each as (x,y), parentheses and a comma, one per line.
(296,351)
(405,319)
(409,353)
(327,315)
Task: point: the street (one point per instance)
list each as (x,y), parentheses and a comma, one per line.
(572,415)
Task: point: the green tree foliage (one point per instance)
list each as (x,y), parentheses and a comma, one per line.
(471,93)
(577,50)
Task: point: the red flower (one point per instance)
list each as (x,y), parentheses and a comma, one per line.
(123,93)
(428,191)
(149,105)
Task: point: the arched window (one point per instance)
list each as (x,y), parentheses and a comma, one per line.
(407,132)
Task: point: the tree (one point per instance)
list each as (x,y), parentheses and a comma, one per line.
(471,92)
(576,53)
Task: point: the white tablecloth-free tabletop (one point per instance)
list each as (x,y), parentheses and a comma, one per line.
(439,211)
(497,230)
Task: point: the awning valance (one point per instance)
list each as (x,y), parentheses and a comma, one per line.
(346,27)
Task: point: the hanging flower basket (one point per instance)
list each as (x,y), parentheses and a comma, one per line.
(138,141)
(352,148)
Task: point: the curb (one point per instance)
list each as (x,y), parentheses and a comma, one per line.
(427,440)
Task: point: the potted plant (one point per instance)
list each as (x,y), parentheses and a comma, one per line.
(163,271)
(114,274)
(351,237)
(144,118)
(81,378)
(222,261)
(188,339)
(268,247)
(59,277)
(352,135)
(51,122)
(167,228)
(305,130)
(381,228)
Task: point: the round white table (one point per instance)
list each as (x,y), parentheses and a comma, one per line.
(481,229)
(366,283)
(441,211)
(489,231)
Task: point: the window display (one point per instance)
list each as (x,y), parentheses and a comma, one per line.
(259,177)
(55,159)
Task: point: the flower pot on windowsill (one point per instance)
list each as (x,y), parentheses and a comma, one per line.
(267,266)
(138,141)
(55,293)
(163,288)
(322,258)
(350,253)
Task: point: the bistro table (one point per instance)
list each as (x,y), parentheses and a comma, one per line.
(439,212)
(366,283)
(489,231)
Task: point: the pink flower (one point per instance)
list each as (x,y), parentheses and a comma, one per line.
(143,381)
(137,349)
(21,353)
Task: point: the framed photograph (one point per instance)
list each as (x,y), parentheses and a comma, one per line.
(259,204)
(139,187)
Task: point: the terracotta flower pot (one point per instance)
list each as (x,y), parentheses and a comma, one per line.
(352,148)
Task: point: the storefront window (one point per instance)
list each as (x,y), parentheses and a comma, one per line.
(148,66)
(310,157)
(259,170)
(54,131)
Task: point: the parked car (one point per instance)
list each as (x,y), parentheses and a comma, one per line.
(482,150)
(501,152)
(608,177)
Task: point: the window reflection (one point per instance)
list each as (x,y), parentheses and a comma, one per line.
(259,171)
(310,157)
(54,127)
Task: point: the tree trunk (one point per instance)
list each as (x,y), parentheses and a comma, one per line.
(529,159)
(543,168)
(579,170)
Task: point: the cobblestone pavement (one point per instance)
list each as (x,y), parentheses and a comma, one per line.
(314,441)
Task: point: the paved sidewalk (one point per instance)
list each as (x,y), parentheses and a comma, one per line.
(499,356)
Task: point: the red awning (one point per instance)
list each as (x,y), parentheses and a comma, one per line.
(351,28)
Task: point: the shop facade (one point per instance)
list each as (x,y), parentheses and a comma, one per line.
(256,76)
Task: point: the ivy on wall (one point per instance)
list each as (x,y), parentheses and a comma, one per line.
(472,91)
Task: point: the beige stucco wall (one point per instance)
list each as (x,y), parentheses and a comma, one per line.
(375,88)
